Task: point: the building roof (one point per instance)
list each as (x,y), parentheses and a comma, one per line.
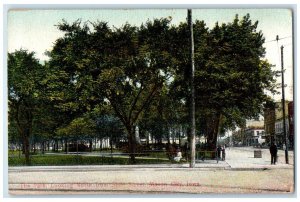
(255,124)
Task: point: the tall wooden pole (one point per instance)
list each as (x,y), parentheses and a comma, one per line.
(192,94)
(283,109)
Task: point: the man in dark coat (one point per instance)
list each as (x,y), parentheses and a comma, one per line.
(273,151)
(223,153)
(219,149)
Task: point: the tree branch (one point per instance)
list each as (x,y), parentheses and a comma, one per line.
(117,111)
(135,101)
(147,101)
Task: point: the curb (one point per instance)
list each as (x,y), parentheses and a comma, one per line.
(247,169)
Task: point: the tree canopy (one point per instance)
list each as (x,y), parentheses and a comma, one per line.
(25,74)
(140,75)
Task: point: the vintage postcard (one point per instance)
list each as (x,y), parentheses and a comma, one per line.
(150,101)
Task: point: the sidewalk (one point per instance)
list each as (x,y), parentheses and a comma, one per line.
(240,173)
(243,158)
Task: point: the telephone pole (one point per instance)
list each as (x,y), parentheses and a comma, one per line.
(192,94)
(283,109)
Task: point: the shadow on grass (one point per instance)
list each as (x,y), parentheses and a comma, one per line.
(63,160)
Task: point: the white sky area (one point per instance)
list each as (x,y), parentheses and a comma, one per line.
(35,30)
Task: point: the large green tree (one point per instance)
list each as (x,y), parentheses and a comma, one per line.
(125,68)
(25,74)
(237,76)
(231,76)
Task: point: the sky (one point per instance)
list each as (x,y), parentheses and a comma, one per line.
(35,30)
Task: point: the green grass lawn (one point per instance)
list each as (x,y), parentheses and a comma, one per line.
(14,153)
(158,155)
(63,160)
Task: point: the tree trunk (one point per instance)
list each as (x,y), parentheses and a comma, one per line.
(77,146)
(34,147)
(26,149)
(53,146)
(91,145)
(173,135)
(66,146)
(56,145)
(168,136)
(23,147)
(111,146)
(152,137)
(213,128)
(147,138)
(131,143)
(19,150)
(179,137)
(101,141)
(43,147)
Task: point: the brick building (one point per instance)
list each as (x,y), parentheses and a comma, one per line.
(273,122)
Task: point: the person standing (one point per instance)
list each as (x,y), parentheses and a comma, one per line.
(273,151)
(283,147)
(223,153)
(219,150)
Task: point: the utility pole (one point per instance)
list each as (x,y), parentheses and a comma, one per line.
(192,94)
(283,109)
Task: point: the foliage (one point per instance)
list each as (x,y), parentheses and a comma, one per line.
(124,67)
(110,127)
(25,74)
(79,128)
(101,81)
(230,75)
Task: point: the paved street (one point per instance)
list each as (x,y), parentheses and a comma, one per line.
(240,173)
(243,157)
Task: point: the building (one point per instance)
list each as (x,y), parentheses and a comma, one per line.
(269,122)
(273,122)
(254,133)
(255,136)
(279,135)
(291,123)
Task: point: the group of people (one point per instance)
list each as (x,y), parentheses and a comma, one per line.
(174,152)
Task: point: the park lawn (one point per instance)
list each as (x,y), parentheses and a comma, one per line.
(13,152)
(158,155)
(64,160)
